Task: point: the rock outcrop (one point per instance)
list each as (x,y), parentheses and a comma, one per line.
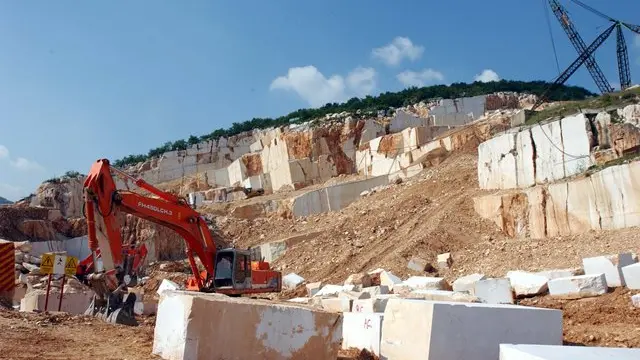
(550,152)
(605,200)
(64,194)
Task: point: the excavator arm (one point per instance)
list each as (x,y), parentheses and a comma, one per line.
(110,276)
(102,202)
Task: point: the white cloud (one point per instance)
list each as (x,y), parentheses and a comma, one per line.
(362,81)
(316,89)
(399,49)
(19,163)
(421,78)
(25,165)
(487,75)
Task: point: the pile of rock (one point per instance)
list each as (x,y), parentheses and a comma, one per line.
(27,271)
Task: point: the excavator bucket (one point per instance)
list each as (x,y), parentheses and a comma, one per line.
(116,309)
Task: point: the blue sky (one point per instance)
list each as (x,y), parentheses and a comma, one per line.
(81,80)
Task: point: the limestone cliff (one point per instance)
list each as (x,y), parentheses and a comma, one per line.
(64,194)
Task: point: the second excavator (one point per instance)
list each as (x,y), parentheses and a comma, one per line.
(114,267)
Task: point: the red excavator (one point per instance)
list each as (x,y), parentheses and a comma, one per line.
(228,271)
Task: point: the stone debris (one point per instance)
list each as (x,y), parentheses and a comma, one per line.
(578,286)
(635,300)
(418,264)
(467,283)
(527,284)
(557,352)
(610,265)
(444,261)
(360,279)
(418,329)
(631,275)
(313,288)
(494,291)
(291,281)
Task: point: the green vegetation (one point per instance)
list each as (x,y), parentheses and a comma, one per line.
(617,99)
(368,105)
(67,175)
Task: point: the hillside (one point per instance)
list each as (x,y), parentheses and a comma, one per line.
(370,105)
(4,201)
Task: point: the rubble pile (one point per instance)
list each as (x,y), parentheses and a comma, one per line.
(27,273)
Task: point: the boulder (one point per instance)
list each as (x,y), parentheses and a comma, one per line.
(313,288)
(375,304)
(191,325)
(360,279)
(388,279)
(560,273)
(467,283)
(354,295)
(342,304)
(329,290)
(434,330)
(527,284)
(167,285)
(578,286)
(635,300)
(631,275)
(362,331)
(418,264)
(494,291)
(444,261)
(376,290)
(291,281)
(442,295)
(610,265)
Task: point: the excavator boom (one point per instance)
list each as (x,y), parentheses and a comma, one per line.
(227,271)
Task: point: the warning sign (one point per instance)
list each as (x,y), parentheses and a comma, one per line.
(46,266)
(58,264)
(71,266)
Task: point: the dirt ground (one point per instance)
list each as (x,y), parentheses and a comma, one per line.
(609,320)
(63,336)
(58,336)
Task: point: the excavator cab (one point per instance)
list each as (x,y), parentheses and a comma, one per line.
(236,273)
(232,270)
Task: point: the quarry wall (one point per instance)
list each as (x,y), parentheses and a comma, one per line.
(539,154)
(605,200)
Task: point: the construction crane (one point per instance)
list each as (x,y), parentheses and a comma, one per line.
(586,53)
(596,73)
